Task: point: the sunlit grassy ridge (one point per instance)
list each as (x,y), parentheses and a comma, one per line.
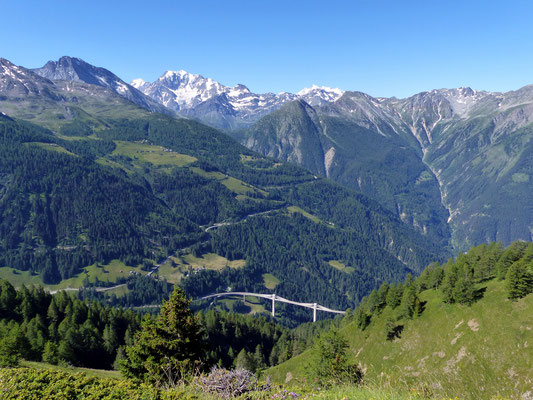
(295,209)
(102,272)
(270,281)
(156,155)
(472,352)
(52,147)
(188,263)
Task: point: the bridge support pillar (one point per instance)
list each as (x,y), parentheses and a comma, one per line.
(314,312)
(273,305)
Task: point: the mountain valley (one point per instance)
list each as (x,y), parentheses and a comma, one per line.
(116,197)
(88,178)
(452,163)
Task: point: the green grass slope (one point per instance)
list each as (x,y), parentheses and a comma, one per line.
(475,352)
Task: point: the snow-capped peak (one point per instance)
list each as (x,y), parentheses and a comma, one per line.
(180,73)
(462,99)
(138,83)
(318,95)
(315,89)
(194,95)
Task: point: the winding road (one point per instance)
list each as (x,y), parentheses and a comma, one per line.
(156,267)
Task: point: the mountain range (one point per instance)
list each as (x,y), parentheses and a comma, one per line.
(89,179)
(221,106)
(469,151)
(454,164)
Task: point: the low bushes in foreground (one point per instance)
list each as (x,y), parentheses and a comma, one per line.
(27,383)
(30,383)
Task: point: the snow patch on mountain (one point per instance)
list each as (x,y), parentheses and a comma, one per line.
(463,99)
(318,95)
(138,83)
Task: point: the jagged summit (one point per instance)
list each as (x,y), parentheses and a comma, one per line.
(20,82)
(138,83)
(75,69)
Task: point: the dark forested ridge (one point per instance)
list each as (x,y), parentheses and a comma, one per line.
(61,212)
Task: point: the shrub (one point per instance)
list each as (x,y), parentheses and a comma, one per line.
(25,383)
(228,384)
(330,364)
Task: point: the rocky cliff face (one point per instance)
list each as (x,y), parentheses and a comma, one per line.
(19,82)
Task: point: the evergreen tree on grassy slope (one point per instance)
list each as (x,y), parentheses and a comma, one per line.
(519,280)
(168,348)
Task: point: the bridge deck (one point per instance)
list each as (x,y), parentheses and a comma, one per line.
(274,298)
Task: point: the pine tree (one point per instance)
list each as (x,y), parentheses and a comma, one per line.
(9,353)
(463,290)
(487,263)
(394,295)
(330,362)
(436,275)
(519,280)
(448,283)
(51,353)
(381,301)
(168,348)
(121,355)
(53,312)
(410,305)
(110,339)
(372,301)
(513,253)
(259,358)
(245,360)
(8,299)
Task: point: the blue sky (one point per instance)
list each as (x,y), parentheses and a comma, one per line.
(384,48)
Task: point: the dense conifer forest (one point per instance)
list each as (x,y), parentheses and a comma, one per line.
(61,329)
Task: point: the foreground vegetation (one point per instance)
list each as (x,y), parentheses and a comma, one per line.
(461,329)
(61,329)
(43,383)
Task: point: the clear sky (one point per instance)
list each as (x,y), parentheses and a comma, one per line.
(384,48)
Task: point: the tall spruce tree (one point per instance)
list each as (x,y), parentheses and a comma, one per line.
(448,283)
(167,349)
(463,291)
(519,280)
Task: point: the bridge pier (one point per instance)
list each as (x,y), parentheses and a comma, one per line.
(314,312)
(273,305)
